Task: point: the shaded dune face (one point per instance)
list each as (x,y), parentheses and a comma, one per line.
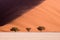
(11,9)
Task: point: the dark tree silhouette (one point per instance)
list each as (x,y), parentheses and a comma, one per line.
(14,29)
(41,28)
(28,29)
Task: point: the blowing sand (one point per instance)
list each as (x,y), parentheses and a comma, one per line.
(46,14)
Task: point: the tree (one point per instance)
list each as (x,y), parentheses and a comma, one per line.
(41,28)
(28,29)
(14,29)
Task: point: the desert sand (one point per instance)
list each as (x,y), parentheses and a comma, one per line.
(46,14)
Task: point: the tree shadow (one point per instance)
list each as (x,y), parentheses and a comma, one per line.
(11,9)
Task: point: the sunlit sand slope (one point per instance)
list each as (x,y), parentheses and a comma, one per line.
(46,14)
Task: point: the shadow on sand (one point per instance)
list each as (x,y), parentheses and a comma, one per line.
(11,9)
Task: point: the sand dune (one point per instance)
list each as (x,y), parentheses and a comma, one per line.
(46,14)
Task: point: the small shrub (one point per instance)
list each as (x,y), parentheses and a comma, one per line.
(41,28)
(28,29)
(14,29)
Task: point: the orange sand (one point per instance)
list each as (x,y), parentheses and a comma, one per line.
(46,14)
